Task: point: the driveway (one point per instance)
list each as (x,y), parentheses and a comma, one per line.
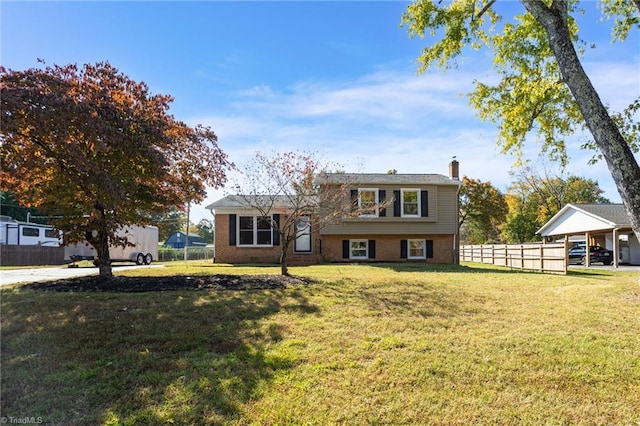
(620,268)
(14,276)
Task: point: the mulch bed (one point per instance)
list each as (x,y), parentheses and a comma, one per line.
(180,282)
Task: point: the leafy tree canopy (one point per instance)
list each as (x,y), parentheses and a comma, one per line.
(10,207)
(205,229)
(482,210)
(535,197)
(169,222)
(98,151)
(541,85)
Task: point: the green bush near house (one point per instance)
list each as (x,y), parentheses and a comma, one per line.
(359,344)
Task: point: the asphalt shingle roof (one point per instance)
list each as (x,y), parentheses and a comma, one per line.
(248,201)
(384,178)
(615,213)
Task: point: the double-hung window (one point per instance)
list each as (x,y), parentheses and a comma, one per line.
(358,249)
(255,231)
(263,231)
(368,202)
(410,202)
(416,249)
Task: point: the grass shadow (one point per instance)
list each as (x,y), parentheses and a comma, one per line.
(180,357)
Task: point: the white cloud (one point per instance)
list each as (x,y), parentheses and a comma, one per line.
(617,83)
(387,120)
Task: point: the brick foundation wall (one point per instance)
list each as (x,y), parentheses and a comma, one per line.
(388,247)
(327,248)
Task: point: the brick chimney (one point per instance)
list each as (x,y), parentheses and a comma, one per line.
(454,169)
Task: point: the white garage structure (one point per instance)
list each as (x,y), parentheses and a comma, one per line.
(607,225)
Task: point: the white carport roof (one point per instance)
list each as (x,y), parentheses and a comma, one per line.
(582,218)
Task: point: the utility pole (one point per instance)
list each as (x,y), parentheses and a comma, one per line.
(186,238)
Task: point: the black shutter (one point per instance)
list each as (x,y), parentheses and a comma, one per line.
(372,249)
(232,229)
(424,203)
(354,200)
(403,249)
(345,249)
(396,203)
(429,247)
(276,230)
(382,198)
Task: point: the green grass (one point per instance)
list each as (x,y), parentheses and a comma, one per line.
(363,344)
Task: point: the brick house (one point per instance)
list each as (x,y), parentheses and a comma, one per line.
(404,217)
(242,235)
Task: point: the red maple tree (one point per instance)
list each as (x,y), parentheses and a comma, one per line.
(97,151)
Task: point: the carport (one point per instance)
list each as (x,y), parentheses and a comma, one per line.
(602,224)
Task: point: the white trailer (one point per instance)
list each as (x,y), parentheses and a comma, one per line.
(13,232)
(142,248)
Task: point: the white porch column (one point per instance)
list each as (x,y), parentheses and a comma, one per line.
(616,247)
(587,250)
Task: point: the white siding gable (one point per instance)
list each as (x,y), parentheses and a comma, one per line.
(573,221)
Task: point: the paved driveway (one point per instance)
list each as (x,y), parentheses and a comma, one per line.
(620,268)
(14,276)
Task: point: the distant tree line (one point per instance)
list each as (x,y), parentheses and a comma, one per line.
(10,207)
(486,215)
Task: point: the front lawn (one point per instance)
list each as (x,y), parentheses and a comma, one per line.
(359,344)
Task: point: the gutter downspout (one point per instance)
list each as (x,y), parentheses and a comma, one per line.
(454,174)
(456,234)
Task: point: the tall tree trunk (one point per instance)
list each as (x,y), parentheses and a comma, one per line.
(620,160)
(104,260)
(100,242)
(99,239)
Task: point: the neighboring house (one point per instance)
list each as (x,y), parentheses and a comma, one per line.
(607,225)
(177,240)
(409,217)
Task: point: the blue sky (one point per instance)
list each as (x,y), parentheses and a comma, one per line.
(337,78)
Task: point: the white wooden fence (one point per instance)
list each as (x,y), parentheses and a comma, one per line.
(551,258)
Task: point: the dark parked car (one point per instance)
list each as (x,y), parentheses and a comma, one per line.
(597,254)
